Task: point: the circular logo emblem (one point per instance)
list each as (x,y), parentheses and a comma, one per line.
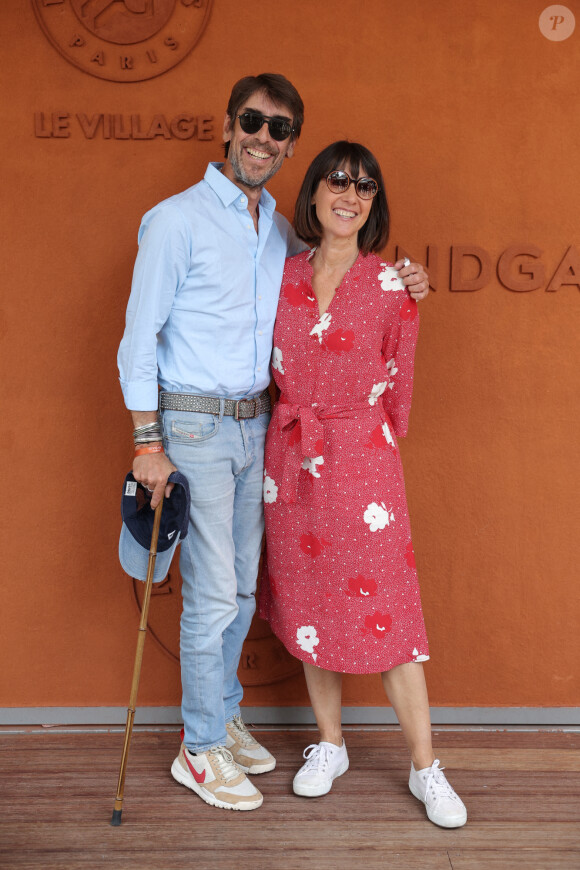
(557,23)
(123,40)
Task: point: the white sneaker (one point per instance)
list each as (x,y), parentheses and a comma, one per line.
(248,753)
(324,762)
(444,807)
(215,777)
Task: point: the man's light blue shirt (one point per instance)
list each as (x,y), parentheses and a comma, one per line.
(203,300)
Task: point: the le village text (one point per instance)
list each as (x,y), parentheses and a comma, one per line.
(105,125)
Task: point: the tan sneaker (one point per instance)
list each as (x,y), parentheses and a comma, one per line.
(247,752)
(215,777)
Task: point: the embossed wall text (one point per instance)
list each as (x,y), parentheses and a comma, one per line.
(98,125)
(519,268)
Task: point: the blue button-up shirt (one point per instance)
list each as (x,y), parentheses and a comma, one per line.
(203,301)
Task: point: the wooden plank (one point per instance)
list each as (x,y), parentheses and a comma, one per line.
(530,859)
(168,833)
(369,795)
(365,757)
(47,740)
(346,859)
(513,759)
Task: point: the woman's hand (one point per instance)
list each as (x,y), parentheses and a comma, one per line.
(414,277)
(151,470)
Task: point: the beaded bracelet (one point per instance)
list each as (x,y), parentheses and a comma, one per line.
(156,449)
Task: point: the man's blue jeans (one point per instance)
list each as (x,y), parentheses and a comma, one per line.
(223,460)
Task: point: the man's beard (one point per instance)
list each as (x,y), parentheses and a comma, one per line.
(241,176)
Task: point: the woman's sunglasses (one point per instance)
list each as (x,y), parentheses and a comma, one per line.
(278,128)
(339,181)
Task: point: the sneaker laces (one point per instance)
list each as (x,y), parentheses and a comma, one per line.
(437,781)
(243,736)
(316,759)
(224,761)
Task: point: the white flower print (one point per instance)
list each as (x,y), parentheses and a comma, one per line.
(307,639)
(277,360)
(389,279)
(391,371)
(377,390)
(378,516)
(310,463)
(419,658)
(322,324)
(270,489)
(387,434)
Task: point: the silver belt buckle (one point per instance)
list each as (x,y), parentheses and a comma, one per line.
(254,401)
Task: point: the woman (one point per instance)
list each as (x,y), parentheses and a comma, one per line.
(339,587)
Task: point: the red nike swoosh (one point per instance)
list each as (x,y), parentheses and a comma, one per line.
(199,777)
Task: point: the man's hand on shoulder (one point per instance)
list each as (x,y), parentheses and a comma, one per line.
(414,277)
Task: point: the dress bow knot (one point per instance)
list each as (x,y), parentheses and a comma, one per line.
(311,431)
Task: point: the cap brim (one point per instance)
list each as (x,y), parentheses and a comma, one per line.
(135,559)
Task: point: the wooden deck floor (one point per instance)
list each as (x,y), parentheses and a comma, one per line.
(522,791)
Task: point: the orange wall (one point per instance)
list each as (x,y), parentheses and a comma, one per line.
(473,114)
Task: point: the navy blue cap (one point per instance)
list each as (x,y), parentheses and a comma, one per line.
(137,528)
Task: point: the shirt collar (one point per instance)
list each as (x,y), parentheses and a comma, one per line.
(229,193)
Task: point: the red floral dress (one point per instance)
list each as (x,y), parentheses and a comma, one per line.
(339,586)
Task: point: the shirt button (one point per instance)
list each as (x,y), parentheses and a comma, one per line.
(259,297)
(259,369)
(259,332)
(243,200)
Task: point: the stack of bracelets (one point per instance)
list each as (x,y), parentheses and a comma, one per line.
(147,438)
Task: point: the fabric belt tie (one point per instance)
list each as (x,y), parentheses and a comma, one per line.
(309,442)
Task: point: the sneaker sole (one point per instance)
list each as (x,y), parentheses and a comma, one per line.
(182,777)
(305,790)
(257,768)
(442,821)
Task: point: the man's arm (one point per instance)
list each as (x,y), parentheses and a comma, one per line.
(161,265)
(152,469)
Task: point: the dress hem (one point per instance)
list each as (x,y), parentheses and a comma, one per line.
(308,658)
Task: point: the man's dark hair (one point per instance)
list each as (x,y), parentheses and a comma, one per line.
(356,160)
(277,88)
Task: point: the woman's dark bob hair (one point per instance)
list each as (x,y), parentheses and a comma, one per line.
(358,161)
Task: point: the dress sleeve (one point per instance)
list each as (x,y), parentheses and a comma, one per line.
(398,353)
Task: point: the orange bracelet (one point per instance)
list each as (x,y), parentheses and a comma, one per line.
(155,449)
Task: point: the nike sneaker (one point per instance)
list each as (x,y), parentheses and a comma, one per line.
(247,752)
(216,778)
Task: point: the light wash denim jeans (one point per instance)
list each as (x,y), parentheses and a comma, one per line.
(223,460)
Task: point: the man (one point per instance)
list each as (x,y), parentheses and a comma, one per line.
(199,325)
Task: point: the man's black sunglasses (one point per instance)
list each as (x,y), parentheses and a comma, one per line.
(279,128)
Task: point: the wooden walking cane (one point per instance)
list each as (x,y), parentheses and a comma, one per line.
(117,811)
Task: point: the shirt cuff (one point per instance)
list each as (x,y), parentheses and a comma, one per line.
(140,396)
